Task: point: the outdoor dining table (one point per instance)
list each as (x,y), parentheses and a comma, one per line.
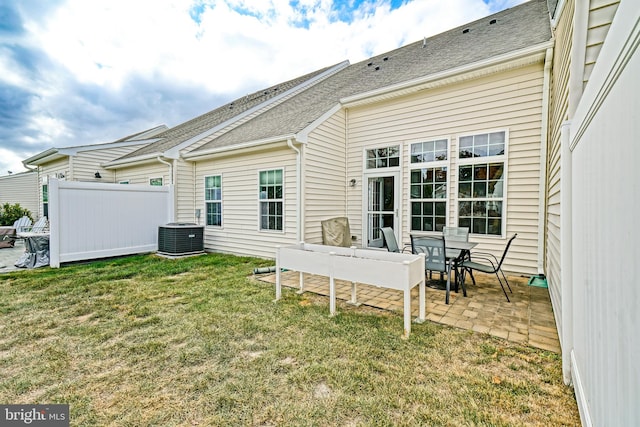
(462,249)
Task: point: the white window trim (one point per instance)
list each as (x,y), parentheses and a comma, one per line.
(435,164)
(204,211)
(488,159)
(388,168)
(284,180)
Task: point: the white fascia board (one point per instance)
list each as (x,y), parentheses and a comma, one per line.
(74,150)
(132,161)
(303,135)
(58,153)
(174,151)
(212,152)
(558,13)
(491,65)
(43,157)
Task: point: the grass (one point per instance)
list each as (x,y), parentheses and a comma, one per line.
(144,340)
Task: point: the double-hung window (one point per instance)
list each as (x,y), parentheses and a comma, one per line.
(213,200)
(481,177)
(428,181)
(271,192)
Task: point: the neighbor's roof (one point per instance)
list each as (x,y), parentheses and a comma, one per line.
(511,30)
(51,154)
(201,124)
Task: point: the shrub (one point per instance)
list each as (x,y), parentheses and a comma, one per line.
(10,213)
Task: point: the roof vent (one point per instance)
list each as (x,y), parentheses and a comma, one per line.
(377,68)
(386,58)
(424,42)
(369,64)
(493,21)
(465,31)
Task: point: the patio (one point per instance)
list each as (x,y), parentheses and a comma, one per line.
(527,319)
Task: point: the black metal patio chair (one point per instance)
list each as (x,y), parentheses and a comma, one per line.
(490,265)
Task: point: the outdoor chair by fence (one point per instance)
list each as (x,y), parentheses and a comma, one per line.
(389,239)
(489,264)
(40,226)
(22,224)
(435,256)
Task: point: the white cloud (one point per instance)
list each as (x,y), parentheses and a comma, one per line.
(103,42)
(97,51)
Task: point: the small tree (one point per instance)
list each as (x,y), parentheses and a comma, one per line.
(11,213)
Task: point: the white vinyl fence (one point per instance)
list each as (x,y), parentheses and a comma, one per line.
(601,296)
(94,220)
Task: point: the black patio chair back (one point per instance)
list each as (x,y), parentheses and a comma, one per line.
(436,259)
(490,265)
(389,239)
(458,234)
(434,250)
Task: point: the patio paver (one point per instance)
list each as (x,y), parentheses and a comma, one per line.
(527,319)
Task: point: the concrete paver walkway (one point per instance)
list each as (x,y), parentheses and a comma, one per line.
(527,319)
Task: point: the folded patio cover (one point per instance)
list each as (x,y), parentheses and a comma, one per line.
(336,232)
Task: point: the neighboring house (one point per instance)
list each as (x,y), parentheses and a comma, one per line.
(21,188)
(444,131)
(82,162)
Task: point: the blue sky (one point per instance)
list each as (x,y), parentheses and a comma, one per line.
(77,72)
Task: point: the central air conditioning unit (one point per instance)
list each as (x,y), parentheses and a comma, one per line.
(178,238)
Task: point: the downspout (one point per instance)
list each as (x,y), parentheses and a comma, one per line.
(566,252)
(299,225)
(171,168)
(346,166)
(542,213)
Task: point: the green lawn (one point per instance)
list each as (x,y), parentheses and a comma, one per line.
(148,341)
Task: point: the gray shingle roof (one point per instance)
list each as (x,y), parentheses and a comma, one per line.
(184,131)
(513,29)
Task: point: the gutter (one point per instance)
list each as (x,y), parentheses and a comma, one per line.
(299,225)
(544,131)
(133,161)
(212,152)
(443,77)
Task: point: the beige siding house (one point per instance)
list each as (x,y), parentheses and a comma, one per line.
(83,162)
(348,145)
(21,188)
(266,169)
(525,122)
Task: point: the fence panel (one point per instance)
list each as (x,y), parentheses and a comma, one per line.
(94,220)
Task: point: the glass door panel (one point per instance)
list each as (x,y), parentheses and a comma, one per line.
(381,207)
